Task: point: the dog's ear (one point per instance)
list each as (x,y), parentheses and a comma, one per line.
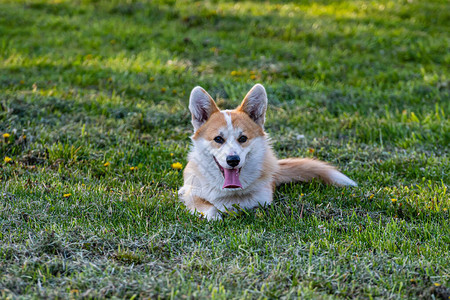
(255,104)
(202,106)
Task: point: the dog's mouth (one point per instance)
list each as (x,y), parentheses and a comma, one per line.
(231,177)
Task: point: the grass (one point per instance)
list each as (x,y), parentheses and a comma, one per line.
(94,98)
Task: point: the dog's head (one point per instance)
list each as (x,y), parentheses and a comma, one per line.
(229,144)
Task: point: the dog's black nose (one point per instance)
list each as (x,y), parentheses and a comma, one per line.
(233,160)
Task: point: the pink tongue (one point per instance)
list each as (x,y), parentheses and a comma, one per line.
(231,179)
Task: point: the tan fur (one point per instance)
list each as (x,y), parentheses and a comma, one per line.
(243,121)
(208,130)
(200,204)
(270,165)
(239,119)
(302,169)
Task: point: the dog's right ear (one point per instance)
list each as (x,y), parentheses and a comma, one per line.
(202,106)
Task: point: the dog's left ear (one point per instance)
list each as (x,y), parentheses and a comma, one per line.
(255,104)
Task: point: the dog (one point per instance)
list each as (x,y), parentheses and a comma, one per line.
(232,165)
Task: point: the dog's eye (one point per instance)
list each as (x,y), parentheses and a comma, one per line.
(219,140)
(242,139)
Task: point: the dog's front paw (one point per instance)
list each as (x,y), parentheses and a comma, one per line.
(212,214)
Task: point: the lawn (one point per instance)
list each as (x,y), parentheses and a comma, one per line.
(93,113)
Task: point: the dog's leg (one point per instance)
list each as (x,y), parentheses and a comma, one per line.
(206,209)
(188,194)
(197,205)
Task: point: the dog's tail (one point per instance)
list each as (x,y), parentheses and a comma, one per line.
(305,169)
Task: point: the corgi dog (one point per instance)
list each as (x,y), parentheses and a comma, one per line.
(232,165)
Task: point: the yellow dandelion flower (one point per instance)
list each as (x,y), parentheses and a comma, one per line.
(371,196)
(106,164)
(163,90)
(152,79)
(171,154)
(393,200)
(133,168)
(302,194)
(7,159)
(174,92)
(253,77)
(67,195)
(6,135)
(177,166)
(22,82)
(445,209)
(437,284)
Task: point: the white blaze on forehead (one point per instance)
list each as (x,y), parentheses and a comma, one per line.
(231,147)
(227,116)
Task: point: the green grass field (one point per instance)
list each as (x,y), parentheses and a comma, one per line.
(93,113)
